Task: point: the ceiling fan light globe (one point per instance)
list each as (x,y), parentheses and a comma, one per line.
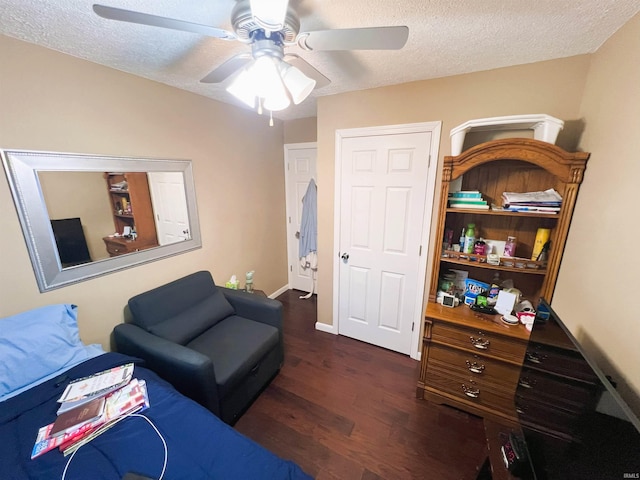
(268,84)
(242,87)
(277,99)
(265,76)
(297,83)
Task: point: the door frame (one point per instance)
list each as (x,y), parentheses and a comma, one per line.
(424,127)
(292,247)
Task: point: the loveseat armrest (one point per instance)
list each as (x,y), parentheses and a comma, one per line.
(190,372)
(255,307)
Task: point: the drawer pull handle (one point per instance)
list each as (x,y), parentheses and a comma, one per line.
(475,367)
(470,391)
(524,382)
(480,343)
(534,357)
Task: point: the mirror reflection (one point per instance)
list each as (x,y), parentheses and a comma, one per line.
(97,215)
(84,216)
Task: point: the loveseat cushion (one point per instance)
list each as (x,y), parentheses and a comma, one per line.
(169,300)
(235,345)
(193,321)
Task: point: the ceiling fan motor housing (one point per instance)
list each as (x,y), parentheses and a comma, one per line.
(244,24)
(270,44)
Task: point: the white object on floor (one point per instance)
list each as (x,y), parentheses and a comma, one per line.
(311,262)
(313,284)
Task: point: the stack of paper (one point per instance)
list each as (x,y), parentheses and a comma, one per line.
(548,201)
(89,407)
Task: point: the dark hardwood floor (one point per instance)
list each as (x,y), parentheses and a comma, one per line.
(343,409)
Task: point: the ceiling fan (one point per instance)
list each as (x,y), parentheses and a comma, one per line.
(267,77)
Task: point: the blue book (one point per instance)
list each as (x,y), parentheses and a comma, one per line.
(466,194)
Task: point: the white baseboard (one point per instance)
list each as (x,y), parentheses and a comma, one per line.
(279,292)
(323,327)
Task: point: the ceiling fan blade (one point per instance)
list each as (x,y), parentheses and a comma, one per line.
(306,68)
(113,13)
(223,71)
(371,38)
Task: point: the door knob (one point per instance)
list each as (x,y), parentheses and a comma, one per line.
(345,257)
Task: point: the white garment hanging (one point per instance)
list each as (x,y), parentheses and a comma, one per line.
(309,221)
(309,234)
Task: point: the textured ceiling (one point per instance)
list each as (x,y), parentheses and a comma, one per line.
(445,37)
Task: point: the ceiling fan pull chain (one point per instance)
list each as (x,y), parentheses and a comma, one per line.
(270,118)
(259,105)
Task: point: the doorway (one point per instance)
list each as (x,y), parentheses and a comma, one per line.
(300,169)
(385,181)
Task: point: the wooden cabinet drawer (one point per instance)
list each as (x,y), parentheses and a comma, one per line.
(472,390)
(560,392)
(559,361)
(543,417)
(474,365)
(478,341)
(122,246)
(115,249)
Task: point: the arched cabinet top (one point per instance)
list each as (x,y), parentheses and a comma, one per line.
(567,167)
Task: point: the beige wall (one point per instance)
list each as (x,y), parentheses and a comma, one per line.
(597,286)
(553,87)
(301,130)
(55,102)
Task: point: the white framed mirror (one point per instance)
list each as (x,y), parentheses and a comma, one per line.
(88,215)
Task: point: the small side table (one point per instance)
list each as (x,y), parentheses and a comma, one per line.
(257,292)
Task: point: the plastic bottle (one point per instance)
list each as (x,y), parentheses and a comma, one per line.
(462,240)
(495,285)
(510,247)
(479,247)
(469,238)
(542,237)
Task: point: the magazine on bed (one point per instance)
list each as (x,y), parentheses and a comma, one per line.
(84,389)
(117,405)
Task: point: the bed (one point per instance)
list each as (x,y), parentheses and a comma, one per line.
(199,445)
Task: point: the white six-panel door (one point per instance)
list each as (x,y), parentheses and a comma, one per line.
(169,206)
(300,168)
(382,212)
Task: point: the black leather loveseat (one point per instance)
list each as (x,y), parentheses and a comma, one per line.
(218,346)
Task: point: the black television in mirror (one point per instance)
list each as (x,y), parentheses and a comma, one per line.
(575,424)
(71,242)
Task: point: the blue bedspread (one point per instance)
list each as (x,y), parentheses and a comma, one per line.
(200,446)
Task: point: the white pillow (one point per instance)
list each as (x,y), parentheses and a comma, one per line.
(38,345)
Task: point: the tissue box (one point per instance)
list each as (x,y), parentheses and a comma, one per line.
(232,285)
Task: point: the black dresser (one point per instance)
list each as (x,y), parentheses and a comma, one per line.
(574,423)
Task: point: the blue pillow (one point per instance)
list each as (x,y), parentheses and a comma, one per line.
(39,344)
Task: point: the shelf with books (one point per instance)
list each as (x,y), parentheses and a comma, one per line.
(484,173)
(132,212)
(505,213)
